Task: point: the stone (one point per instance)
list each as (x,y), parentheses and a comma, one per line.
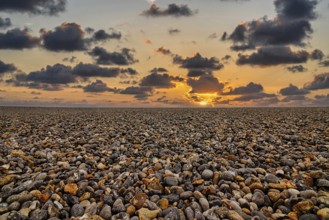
(146,214)
(270,178)
(308,217)
(207,174)
(204,204)
(171,181)
(106,212)
(71,188)
(77,210)
(138,200)
(323,213)
(118,206)
(6,180)
(227,175)
(39,214)
(163,203)
(258,198)
(303,206)
(131,210)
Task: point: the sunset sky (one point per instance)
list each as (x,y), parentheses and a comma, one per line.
(164,53)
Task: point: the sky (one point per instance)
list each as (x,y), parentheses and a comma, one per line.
(164,53)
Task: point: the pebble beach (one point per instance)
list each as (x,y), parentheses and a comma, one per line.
(172,164)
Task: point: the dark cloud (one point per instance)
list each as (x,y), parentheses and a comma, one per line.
(92,70)
(213,36)
(102,35)
(224,36)
(71,59)
(291,26)
(254,96)
(66,37)
(275,55)
(56,77)
(127,82)
(36,93)
(227,57)
(292,90)
(205,84)
(317,54)
(324,63)
(6,68)
(248,89)
(296,69)
(98,86)
(320,81)
(160,80)
(172,10)
(172,31)
(270,32)
(296,9)
(44,7)
(198,62)
(294,98)
(129,71)
(103,57)
(139,92)
(321,100)
(18,39)
(197,72)
(57,74)
(164,51)
(5,23)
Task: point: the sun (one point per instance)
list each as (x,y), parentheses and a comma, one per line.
(203,103)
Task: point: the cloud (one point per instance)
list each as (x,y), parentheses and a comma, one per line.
(320,81)
(98,86)
(294,98)
(248,89)
(291,26)
(296,69)
(198,62)
(139,92)
(5,23)
(321,100)
(102,35)
(173,31)
(57,74)
(92,70)
(44,7)
(56,77)
(296,9)
(254,96)
(103,57)
(324,63)
(172,10)
(17,39)
(197,73)
(6,68)
(205,84)
(270,32)
(164,51)
(274,55)
(317,54)
(66,37)
(292,90)
(160,80)
(71,59)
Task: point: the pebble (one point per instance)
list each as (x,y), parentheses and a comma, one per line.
(106,212)
(118,206)
(77,210)
(164,164)
(207,174)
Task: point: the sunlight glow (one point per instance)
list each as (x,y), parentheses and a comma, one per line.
(203,103)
